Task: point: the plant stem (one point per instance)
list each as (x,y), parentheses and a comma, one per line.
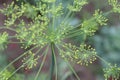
(42,63)
(8,28)
(53,61)
(55,66)
(76,75)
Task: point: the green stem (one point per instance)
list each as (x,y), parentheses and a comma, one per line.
(53,61)
(71,68)
(16,42)
(107,63)
(43,61)
(8,28)
(53,22)
(15,71)
(55,66)
(10,37)
(69,13)
(73,35)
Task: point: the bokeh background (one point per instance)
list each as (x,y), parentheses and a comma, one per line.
(106,41)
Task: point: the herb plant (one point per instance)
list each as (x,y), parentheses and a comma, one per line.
(49,27)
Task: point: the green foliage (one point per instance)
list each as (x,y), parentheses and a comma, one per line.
(45,28)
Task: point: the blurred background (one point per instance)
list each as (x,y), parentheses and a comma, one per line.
(106,41)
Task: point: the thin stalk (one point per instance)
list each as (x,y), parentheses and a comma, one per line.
(10,37)
(43,61)
(55,66)
(69,13)
(15,71)
(75,31)
(73,35)
(53,21)
(103,60)
(109,12)
(8,28)
(53,61)
(71,68)
(16,42)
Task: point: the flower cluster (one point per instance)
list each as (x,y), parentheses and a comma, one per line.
(3,40)
(90,26)
(77,5)
(13,12)
(57,11)
(112,71)
(115,5)
(100,18)
(30,61)
(82,55)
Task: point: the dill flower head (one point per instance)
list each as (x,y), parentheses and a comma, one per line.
(48,26)
(82,55)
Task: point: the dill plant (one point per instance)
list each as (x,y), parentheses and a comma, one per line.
(46,30)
